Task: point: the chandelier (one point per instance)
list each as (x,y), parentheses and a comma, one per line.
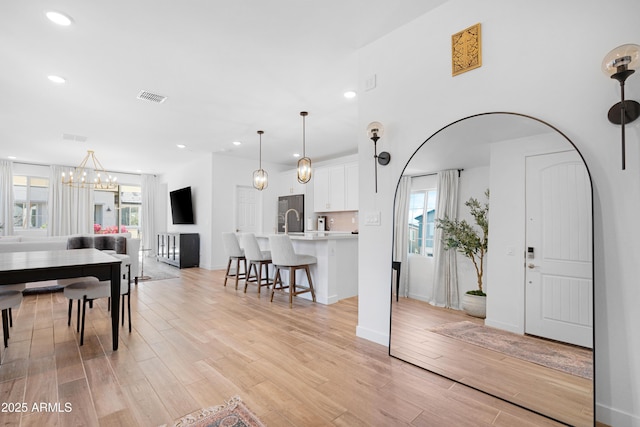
(80,177)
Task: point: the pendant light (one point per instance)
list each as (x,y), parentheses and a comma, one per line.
(304,164)
(260,176)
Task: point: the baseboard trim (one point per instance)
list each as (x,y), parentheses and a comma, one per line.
(606,415)
(371,335)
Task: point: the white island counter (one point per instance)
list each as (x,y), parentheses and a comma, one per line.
(335,276)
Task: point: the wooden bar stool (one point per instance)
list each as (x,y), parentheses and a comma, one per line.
(285,257)
(258,261)
(235,253)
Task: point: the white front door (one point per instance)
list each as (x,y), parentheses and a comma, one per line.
(558,278)
(247,207)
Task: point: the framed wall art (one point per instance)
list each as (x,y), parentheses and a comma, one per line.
(466,50)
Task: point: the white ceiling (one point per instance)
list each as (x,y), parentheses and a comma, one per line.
(227,68)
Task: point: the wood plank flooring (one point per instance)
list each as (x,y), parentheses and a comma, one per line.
(196,343)
(565,397)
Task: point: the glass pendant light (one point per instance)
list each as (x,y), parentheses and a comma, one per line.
(260,176)
(304,164)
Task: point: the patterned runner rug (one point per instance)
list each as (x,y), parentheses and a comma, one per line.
(567,358)
(232,414)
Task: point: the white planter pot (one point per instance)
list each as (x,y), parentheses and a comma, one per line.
(475,305)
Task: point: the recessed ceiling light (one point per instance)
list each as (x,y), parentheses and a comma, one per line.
(181,146)
(237,143)
(350,94)
(296,155)
(59,18)
(57,79)
(12,157)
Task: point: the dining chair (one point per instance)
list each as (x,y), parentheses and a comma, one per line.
(20,287)
(8,299)
(284,256)
(235,253)
(89,289)
(259,260)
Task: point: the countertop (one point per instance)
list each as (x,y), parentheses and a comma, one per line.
(318,235)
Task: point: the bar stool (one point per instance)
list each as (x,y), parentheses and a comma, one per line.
(234,252)
(258,261)
(284,256)
(8,299)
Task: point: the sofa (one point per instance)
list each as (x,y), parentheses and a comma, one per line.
(98,241)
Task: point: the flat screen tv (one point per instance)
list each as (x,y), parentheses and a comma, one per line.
(181,206)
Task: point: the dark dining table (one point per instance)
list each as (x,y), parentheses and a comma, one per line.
(35,266)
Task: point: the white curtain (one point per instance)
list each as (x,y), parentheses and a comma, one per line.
(445,279)
(401,232)
(71,209)
(6,197)
(148,224)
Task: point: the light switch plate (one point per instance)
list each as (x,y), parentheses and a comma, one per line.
(370,82)
(372,218)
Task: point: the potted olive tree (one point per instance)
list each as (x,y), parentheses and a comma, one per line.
(472,243)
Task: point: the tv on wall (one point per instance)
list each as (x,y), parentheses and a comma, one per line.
(181,206)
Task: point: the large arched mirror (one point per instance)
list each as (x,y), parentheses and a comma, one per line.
(529,341)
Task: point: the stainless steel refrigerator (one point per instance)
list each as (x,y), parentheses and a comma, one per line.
(285,203)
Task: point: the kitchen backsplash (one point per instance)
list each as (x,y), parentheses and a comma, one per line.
(342,221)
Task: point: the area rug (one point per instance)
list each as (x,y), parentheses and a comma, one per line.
(155,270)
(572,360)
(232,414)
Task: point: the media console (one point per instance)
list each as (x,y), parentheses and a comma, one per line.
(181,250)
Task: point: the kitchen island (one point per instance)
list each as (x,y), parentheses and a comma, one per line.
(335,276)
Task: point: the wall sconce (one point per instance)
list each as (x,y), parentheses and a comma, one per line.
(304,164)
(375,130)
(260,176)
(619,64)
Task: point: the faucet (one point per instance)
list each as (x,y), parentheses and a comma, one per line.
(286,219)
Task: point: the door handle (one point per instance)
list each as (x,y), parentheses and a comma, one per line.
(531,266)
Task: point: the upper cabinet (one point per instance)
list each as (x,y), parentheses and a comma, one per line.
(351,187)
(335,188)
(291,184)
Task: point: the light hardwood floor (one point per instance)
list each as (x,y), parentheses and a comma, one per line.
(196,343)
(560,395)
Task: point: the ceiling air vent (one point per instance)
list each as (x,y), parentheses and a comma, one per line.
(76,138)
(153,97)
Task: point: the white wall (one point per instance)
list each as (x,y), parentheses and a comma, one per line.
(198,176)
(227,173)
(542,59)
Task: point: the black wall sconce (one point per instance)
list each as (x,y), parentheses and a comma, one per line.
(375,130)
(619,64)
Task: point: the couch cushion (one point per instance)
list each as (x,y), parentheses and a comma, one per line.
(80,242)
(113,243)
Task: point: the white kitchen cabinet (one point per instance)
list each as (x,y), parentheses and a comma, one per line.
(351,187)
(335,188)
(291,184)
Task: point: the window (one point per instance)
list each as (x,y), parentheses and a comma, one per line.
(31,196)
(118,210)
(422,215)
